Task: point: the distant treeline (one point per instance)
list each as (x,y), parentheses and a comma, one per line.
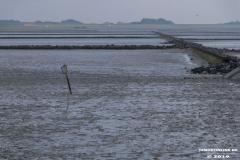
(72,21)
(9,21)
(68,21)
(146,21)
(237,22)
(153,21)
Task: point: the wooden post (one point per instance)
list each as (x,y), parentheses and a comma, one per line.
(68,84)
(64,71)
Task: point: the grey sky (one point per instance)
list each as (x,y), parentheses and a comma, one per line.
(99,11)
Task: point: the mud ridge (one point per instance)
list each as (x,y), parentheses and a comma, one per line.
(141,37)
(112,47)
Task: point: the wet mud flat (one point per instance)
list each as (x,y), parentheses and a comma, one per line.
(83,41)
(125,104)
(229,44)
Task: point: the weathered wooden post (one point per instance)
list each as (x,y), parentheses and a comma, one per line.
(64,71)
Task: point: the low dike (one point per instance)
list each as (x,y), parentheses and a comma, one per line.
(211,55)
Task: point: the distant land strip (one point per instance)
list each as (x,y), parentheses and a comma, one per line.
(73,37)
(70,34)
(106,47)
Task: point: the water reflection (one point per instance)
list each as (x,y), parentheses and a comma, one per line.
(65,112)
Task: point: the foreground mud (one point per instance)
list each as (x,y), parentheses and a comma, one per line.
(125,104)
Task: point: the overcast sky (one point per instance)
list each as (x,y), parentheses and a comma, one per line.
(99,11)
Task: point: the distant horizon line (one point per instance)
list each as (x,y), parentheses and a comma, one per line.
(110,23)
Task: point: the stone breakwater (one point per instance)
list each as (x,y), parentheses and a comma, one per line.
(182,43)
(111,47)
(226,65)
(222,68)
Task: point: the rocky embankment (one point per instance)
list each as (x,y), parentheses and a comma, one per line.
(220,68)
(182,43)
(115,47)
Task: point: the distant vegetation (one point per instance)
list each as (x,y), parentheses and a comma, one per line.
(153,21)
(9,22)
(237,22)
(47,22)
(68,21)
(146,21)
(107,23)
(71,21)
(120,22)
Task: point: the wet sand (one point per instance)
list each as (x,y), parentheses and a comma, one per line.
(125,104)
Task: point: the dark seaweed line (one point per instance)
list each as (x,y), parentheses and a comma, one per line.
(77,34)
(112,47)
(71,37)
